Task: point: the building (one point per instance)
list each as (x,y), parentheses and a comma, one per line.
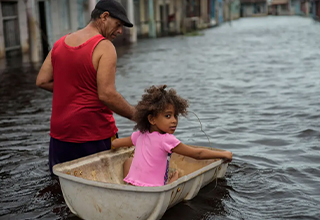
(212,11)
(30,27)
(305,7)
(157,18)
(315,9)
(296,7)
(253,8)
(231,10)
(13,28)
(281,7)
(220,11)
(235,9)
(197,15)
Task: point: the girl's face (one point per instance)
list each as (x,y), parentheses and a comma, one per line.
(164,122)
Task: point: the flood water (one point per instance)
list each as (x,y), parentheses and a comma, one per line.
(255,86)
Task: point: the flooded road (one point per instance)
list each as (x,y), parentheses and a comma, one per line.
(254,85)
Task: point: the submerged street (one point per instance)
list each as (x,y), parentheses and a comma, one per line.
(254,85)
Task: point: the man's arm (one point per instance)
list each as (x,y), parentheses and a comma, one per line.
(45,75)
(106,74)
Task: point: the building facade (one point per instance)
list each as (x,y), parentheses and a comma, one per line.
(13,28)
(315,9)
(169,17)
(231,10)
(30,27)
(253,8)
(281,7)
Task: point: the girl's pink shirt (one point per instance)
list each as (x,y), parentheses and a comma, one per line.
(149,164)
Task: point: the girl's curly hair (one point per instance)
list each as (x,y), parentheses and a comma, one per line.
(155,101)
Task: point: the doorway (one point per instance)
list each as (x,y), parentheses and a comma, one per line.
(164,12)
(43,30)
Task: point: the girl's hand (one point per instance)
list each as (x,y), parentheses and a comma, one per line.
(227,157)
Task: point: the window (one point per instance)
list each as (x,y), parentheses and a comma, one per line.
(11,25)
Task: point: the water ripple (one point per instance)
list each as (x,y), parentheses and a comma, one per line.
(253,85)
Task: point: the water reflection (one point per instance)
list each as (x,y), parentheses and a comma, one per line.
(206,205)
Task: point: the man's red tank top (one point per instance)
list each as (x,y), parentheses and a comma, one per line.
(77,113)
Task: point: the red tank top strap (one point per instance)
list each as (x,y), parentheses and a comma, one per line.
(98,38)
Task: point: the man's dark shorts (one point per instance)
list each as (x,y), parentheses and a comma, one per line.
(60,151)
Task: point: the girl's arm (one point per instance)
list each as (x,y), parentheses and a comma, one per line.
(201,154)
(122,142)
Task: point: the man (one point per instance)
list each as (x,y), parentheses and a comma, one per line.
(80,71)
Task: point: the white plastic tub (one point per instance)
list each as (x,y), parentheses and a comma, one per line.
(93,188)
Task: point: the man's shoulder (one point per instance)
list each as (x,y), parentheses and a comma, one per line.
(104,49)
(105,45)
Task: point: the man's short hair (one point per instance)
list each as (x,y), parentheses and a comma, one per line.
(95,14)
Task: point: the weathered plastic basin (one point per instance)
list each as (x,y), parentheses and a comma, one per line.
(93,188)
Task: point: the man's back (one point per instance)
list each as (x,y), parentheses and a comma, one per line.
(75,102)
(81,36)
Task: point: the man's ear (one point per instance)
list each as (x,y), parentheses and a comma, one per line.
(104,15)
(151,119)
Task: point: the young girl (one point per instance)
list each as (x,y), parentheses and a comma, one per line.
(157,119)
